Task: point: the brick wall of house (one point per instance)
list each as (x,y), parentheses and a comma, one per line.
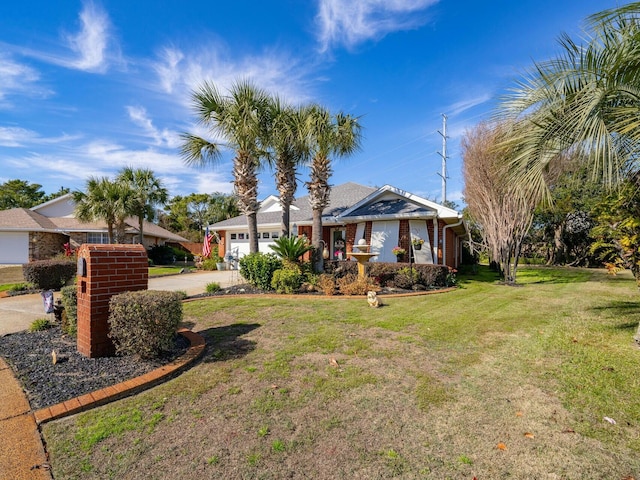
(110,269)
(45,245)
(351,236)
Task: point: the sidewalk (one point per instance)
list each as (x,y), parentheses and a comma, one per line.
(18,312)
(22,455)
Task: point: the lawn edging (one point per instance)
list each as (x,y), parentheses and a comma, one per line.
(127,388)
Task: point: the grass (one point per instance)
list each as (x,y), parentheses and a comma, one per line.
(487,381)
(11,276)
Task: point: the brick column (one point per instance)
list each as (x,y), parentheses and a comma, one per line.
(104,271)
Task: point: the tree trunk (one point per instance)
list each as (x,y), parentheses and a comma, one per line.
(316,237)
(140,225)
(252,223)
(286,215)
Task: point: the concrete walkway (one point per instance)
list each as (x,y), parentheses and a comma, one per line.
(18,312)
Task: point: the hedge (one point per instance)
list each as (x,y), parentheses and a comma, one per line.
(49,274)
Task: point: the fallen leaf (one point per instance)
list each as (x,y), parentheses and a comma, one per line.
(568,430)
(519,414)
(501,446)
(274,386)
(629,478)
(610,420)
(529,435)
(574,340)
(333,362)
(54,357)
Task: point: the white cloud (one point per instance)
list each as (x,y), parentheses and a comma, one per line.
(350,23)
(463,105)
(17,78)
(91,42)
(15,136)
(182,72)
(162,138)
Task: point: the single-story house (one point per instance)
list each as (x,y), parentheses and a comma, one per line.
(385,218)
(40,232)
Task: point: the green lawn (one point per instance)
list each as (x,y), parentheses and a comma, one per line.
(487,381)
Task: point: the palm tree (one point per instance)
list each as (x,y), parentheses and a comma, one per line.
(148,192)
(329,135)
(239,119)
(104,200)
(586,101)
(287,140)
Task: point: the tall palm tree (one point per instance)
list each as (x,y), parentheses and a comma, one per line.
(338,136)
(104,200)
(239,119)
(148,192)
(585,100)
(287,141)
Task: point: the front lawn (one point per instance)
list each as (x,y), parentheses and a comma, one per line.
(487,381)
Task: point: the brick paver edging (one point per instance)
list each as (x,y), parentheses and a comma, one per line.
(127,388)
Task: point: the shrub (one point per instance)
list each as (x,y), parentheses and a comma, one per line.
(287,280)
(291,248)
(49,274)
(144,322)
(39,325)
(257,269)
(327,284)
(354,285)
(211,263)
(212,287)
(70,314)
(407,277)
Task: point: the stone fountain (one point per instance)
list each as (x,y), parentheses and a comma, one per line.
(362,256)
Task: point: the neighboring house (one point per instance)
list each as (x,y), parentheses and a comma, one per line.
(40,232)
(385,217)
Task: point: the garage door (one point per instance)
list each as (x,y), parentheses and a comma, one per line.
(14,247)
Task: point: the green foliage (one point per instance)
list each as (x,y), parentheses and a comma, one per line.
(49,274)
(212,287)
(257,269)
(39,325)
(291,248)
(20,194)
(144,322)
(287,280)
(70,304)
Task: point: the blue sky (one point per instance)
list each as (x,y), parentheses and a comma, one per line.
(87,88)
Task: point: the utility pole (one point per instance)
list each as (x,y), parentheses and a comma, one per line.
(444,157)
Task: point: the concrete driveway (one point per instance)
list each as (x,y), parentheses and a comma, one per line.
(17,313)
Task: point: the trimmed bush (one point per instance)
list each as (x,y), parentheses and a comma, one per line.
(70,314)
(394,274)
(257,269)
(144,322)
(287,280)
(49,274)
(212,287)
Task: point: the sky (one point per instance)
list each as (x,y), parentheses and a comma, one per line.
(89,87)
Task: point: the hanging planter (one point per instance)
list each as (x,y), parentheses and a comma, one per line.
(417,243)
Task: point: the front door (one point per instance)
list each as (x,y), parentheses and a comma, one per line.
(338,244)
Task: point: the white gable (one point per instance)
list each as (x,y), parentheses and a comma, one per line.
(63,206)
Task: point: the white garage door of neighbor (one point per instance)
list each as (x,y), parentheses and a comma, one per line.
(384,236)
(14,247)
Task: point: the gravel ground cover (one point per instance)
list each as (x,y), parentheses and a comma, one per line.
(46,383)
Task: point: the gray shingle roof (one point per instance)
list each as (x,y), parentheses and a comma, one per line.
(342,197)
(397,206)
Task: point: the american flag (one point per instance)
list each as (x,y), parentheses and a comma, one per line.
(206,246)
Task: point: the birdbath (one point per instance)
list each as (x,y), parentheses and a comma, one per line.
(362,257)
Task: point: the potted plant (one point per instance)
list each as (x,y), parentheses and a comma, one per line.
(398,252)
(220,264)
(417,243)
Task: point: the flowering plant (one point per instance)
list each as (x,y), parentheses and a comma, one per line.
(417,241)
(398,251)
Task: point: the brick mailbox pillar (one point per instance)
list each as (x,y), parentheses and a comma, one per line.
(104,271)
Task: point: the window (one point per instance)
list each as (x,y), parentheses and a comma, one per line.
(274,234)
(97,237)
(233,236)
(241,236)
(265,235)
